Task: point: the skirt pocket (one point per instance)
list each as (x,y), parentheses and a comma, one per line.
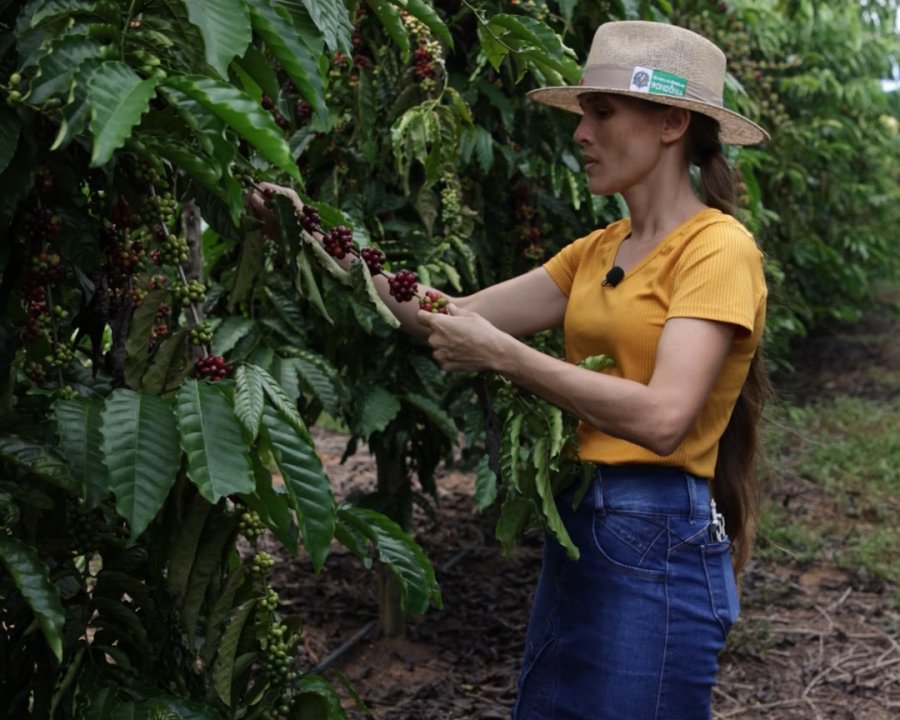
(631,543)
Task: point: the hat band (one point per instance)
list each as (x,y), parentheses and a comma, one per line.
(647,81)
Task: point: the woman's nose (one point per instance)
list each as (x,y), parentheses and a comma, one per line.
(580,136)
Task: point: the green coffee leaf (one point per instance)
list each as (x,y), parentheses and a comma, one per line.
(249,398)
(307,485)
(296,48)
(118,97)
(225,27)
(140,444)
(78,423)
(395,548)
(32,578)
(246,117)
(218,461)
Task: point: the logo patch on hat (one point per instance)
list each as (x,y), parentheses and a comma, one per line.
(657,82)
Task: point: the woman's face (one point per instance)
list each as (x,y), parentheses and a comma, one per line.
(620,141)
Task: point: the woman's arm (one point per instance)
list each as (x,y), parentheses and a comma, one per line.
(657,416)
(521,306)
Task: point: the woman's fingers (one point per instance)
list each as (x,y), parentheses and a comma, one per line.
(460,340)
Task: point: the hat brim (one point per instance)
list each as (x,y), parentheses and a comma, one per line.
(734,129)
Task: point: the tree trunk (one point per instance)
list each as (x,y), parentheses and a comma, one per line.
(394,500)
(391,618)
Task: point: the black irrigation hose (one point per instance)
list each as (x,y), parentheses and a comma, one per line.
(366,629)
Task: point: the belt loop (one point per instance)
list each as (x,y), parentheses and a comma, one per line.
(598,489)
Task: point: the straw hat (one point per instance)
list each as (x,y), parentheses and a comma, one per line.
(661,63)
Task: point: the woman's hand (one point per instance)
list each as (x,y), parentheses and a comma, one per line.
(463,340)
(256,201)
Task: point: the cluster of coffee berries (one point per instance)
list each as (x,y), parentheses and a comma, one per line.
(160,325)
(201,334)
(278,646)
(338,242)
(193,291)
(47,267)
(427,55)
(303,111)
(261,563)
(360,61)
(41,224)
(537,8)
(251,525)
(144,171)
(403,285)
(61,356)
(45,271)
(309,219)
(373,258)
(271,600)
(212,367)
(126,258)
(157,209)
(14,95)
(434,302)
(173,250)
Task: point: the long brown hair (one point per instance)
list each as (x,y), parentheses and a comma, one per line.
(736,484)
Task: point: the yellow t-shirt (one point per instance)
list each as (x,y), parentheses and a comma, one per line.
(709,268)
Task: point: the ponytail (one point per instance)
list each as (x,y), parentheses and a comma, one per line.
(735,485)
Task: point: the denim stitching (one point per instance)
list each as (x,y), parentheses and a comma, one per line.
(709,592)
(662,665)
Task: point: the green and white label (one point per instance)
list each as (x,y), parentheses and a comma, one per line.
(657,82)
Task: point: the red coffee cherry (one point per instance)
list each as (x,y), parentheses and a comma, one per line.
(434,302)
(338,242)
(374,258)
(309,219)
(212,367)
(403,285)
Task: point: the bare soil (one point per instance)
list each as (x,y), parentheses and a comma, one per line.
(813,642)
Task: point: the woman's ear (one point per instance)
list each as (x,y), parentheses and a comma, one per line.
(676,121)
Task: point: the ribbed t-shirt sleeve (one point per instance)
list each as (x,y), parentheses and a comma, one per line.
(563,266)
(719,276)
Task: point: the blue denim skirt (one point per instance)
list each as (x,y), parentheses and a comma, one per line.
(633,628)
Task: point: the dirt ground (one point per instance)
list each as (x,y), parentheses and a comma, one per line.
(813,643)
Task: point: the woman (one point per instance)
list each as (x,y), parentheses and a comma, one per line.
(675,294)
(632,630)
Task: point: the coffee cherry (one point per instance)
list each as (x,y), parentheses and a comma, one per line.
(173,251)
(212,367)
(261,563)
(403,285)
(338,242)
(271,600)
(192,292)
(201,334)
(304,111)
(309,219)
(47,267)
(434,302)
(251,526)
(374,258)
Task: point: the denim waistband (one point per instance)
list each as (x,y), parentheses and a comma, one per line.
(651,488)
